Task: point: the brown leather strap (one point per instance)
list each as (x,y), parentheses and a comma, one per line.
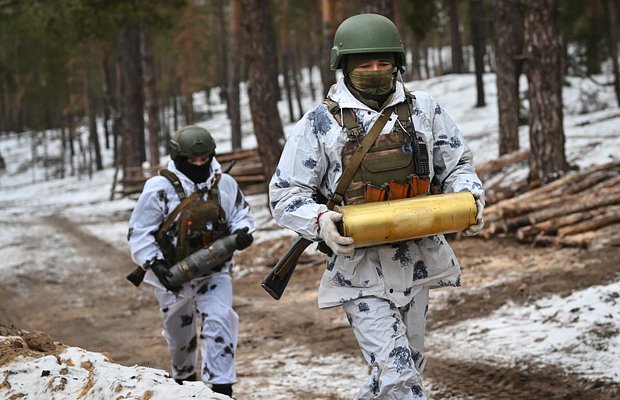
(185,201)
(358,156)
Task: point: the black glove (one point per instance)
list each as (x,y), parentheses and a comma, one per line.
(162,273)
(244,238)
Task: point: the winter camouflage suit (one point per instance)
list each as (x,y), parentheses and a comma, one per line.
(383,289)
(206,301)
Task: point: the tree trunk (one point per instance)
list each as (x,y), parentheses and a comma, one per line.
(92,121)
(328,77)
(543,51)
(150,95)
(508,24)
(456,43)
(592,38)
(295,74)
(234,62)
(108,107)
(478,39)
(223,51)
(133,151)
(285,59)
(262,73)
(383,7)
(613,46)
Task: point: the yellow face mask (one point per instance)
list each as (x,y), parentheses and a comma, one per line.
(373,82)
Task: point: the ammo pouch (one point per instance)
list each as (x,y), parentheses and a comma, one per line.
(199,223)
(388,171)
(197,227)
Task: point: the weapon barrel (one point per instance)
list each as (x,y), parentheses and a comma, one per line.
(204,261)
(377,223)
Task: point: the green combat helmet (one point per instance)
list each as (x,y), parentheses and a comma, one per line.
(192,141)
(366,33)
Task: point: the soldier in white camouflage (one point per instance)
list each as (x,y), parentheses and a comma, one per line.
(188,206)
(383,289)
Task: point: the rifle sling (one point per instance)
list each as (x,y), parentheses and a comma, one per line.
(284,265)
(186,202)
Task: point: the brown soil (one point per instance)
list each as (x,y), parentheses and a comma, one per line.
(101,311)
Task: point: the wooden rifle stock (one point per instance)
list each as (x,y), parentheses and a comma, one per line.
(136,276)
(275,282)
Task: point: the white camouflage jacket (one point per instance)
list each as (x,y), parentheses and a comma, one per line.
(311,161)
(159,198)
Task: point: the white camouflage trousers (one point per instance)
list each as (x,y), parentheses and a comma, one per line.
(391,340)
(212,305)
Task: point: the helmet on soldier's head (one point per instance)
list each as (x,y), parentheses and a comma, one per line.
(367,33)
(192,141)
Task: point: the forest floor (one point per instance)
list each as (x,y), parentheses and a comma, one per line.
(97,309)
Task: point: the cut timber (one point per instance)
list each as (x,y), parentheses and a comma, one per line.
(550,227)
(500,163)
(244,165)
(583,203)
(611,215)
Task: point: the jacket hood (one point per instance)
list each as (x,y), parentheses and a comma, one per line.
(215,169)
(339,92)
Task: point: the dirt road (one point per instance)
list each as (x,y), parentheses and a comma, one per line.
(99,310)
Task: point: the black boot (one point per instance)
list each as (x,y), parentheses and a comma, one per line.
(191,378)
(223,389)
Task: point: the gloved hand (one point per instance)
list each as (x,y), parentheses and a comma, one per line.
(340,245)
(244,238)
(162,273)
(475,229)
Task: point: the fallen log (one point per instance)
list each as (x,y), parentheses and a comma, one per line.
(550,227)
(494,166)
(611,215)
(582,203)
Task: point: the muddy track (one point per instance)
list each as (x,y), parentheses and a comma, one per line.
(94,307)
(599,267)
(491,382)
(97,309)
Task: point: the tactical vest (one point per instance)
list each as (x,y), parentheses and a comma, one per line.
(395,167)
(198,224)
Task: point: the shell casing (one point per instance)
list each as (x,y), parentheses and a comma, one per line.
(392,221)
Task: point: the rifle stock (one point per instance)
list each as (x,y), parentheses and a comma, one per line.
(275,282)
(136,276)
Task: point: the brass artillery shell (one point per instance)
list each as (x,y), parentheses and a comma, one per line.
(371,224)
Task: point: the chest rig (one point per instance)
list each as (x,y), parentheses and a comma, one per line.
(395,167)
(199,223)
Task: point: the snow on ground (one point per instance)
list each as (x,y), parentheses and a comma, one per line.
(548,330)
(79,374)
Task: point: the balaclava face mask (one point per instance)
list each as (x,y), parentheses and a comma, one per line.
(372,88)
(197,173)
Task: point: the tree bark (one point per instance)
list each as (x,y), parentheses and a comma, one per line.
(328,77)
(285,59)
(508,24)
(133,151)
(456,44)
(150,95)
(92,120)
(477,24)
(382,7)
(613,46)
(234,62)
(262,73)
(543,50)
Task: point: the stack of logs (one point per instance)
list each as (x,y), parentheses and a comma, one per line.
(579,209)
(244,165)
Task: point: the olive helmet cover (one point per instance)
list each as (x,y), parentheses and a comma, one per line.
(192,141)
(366,33)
